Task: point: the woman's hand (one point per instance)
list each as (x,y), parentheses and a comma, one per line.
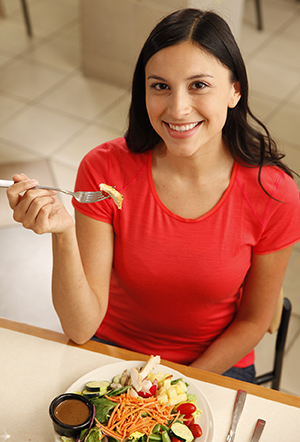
(39,210)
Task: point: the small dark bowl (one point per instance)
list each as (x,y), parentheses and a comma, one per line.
(70,430)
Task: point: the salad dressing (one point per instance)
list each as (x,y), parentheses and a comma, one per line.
(72,412)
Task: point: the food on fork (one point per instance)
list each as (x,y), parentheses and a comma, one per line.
(116,196)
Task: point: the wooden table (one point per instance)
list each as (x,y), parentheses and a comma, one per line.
(38,364)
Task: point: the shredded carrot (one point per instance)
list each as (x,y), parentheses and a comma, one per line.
(135,414)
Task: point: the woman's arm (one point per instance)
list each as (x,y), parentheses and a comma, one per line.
(260,294)
(81,276)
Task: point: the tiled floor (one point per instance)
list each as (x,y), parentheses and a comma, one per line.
(51,115)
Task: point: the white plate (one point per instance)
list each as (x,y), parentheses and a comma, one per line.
(107,372)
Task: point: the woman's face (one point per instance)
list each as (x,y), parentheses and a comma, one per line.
(188,92)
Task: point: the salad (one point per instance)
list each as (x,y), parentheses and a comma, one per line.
(139,405)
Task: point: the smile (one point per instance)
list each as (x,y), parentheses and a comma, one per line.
(183,127)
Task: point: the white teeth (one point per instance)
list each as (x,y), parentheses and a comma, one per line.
(182,128)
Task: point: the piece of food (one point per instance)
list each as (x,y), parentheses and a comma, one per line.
(196,430)
(116,196)
(182,432)
(187,408)
(137,376)
(100,386)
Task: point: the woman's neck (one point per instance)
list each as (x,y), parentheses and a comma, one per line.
(190,187)
(199,167)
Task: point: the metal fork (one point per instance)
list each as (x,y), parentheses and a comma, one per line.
(82,197)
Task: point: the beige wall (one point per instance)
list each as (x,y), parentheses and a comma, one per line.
(113,31)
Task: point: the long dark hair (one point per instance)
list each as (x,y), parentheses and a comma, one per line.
(245,142)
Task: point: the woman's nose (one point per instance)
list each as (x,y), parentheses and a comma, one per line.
(179,105)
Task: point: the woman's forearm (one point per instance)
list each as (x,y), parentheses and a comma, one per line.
(235,343)
(74,300)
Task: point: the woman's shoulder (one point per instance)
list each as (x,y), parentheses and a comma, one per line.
(113,148)
(114,162)
(116,150)
(271,180)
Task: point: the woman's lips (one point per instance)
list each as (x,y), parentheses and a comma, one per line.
(182,127)
(182,130)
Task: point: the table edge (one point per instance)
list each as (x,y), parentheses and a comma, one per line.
(116,352)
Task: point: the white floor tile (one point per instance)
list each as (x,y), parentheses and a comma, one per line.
(65,57)
(251,39)
(91,136)
(72,33)
(283,49)
(25,273)
(40,130)
(262,105)
(118,115)
(10,6)
(83,97)
(294,28)
(4,58)
(11,154)
(28,80)
(13,37)
(266,77)
(285,124)
(295,97)
(8,106)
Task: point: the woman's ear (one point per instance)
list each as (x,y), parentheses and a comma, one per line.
(236,95)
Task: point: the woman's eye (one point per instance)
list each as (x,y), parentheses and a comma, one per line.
(159,86)
(199,85)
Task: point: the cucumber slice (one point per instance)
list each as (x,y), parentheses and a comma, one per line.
(116,379)
(90,394)
(182,432)
(100,386)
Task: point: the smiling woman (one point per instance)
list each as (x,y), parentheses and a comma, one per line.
(192,266)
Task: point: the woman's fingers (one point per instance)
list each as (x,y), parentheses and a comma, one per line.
(20,186)
(29,207)
(37,209)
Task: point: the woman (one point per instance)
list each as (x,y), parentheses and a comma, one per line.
(192,267)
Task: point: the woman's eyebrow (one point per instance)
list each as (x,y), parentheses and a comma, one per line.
(155,77)
(193,77)
(202,75)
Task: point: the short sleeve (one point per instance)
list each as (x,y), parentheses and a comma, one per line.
(281,227)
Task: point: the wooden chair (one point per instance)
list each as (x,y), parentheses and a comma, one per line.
(279,324)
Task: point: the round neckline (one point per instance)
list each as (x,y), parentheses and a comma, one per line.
(180,218)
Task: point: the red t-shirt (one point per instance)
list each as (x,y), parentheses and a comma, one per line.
(176,283)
